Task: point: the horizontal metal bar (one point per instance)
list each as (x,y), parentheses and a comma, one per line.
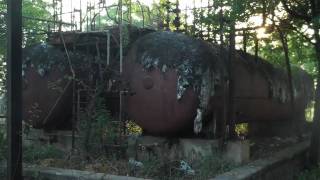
(40,19)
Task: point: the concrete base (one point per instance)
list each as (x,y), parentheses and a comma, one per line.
(60,139)
(238,151)
(148,148)
(69,174)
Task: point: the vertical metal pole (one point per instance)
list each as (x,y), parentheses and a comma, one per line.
(108,48)
(121,58)
(80,15)
(60,25)
(87,17)
(71,14)
(231,110)
(14,53)
(201,16)
(120,34)
(130,11)
(54,14)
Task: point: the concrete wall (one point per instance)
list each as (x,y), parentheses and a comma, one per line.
(67,174)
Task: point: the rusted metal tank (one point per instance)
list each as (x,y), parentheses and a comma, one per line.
(262,91)
(47,88)
(168,75)
(177,84)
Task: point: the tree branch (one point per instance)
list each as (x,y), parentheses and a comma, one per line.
(294,13)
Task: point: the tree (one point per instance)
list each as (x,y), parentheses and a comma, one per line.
(35,31)
(309,12)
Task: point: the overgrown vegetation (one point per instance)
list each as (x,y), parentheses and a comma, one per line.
(98,131)
(242,129)
(3,144)
(203,168)
(312,174)
(36,153)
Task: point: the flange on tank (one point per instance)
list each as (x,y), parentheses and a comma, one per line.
(172,77)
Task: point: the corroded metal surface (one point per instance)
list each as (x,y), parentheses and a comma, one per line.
(262,91)
(47,101)
(177,83)
(172,77)
(47,90)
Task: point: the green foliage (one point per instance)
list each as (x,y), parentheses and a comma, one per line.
(135,13)
(301,52)
(133,128)
(3,144)
(309,112)
(210,166)
(35,153)
(312,174)
(206,167)
(97,127)
(242,129)
(152,168)
(33,31)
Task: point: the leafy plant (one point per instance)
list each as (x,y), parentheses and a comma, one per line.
(242,129)
(133,128)
(312,174)
(98,127)
(34,153)
(3,144)
(210,166)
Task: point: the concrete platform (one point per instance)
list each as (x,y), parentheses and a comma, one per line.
(283,165)
(60,139)
(148,147)
(68,174)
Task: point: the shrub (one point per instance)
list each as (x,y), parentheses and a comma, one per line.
(3,145)
(312,174)
(34,153)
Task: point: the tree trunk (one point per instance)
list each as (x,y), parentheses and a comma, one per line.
(245,41)
(285,48)
(256,48)
(231,113)
(315,138)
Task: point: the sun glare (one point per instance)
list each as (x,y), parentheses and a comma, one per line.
(261,33)
(185,6)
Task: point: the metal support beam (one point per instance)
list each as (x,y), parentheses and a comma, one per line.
(14,56)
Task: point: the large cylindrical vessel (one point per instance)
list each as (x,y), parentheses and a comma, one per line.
(47,88)
(178,82)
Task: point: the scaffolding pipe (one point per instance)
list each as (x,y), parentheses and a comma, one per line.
(121,59)
(108,48)
(120,35)
(73,90)
(40,19)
